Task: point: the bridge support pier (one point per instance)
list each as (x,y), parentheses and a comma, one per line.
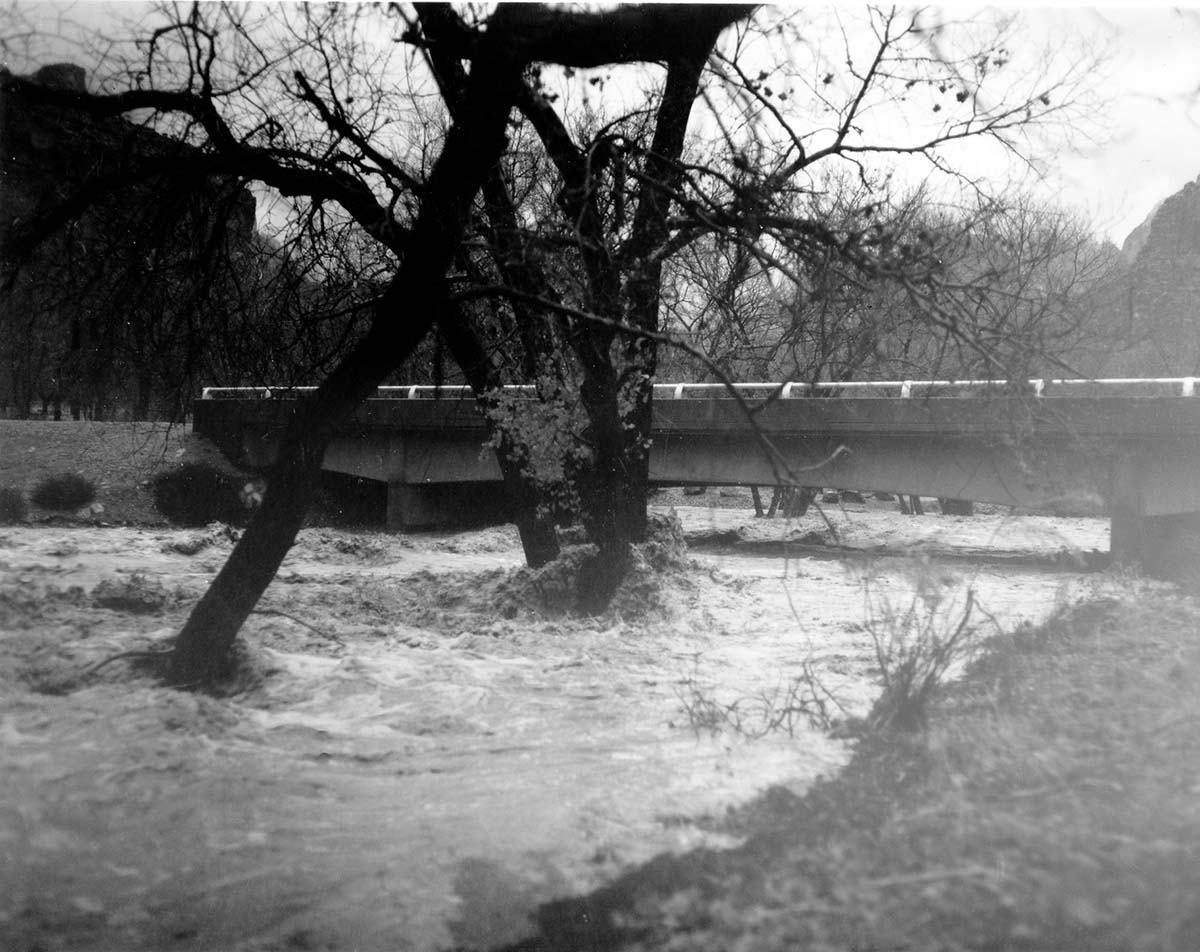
(1166,547)
(1163,545)
(444,505)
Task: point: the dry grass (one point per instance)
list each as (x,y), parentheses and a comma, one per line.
(919,641)
(112,454)
(1052,803)
(120,458)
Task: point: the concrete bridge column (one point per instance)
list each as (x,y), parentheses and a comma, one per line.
(1164,546)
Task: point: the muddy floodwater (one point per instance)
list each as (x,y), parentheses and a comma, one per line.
(422,758)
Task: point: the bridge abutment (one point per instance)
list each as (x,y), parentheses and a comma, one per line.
(1166,547)
(1154,505)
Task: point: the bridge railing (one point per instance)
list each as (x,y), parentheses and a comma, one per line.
(1040,387)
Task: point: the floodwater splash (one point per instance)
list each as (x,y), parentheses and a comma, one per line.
(408,765)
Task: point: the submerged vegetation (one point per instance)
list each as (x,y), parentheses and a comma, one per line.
(1049,804)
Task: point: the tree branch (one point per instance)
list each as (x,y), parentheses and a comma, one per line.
(629,33)
(228,153)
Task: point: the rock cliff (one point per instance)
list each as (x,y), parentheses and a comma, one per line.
(113,240)
(1161,289)
(50,153)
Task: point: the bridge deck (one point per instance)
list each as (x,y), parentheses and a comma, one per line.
(1138,454)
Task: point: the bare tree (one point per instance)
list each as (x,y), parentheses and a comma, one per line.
(422,219)
(307,105)
(1013,294)
(633,193)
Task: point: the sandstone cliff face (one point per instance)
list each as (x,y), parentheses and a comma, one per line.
(113,238)
(1136,240)
(153,281)
(1162,287)
(48,153)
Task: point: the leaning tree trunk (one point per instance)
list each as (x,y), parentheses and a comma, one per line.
(620,418)
(402,318)
(201,649)
(539,540)
(525,504)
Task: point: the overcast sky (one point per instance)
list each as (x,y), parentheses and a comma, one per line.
(1145,142)
(1152,118)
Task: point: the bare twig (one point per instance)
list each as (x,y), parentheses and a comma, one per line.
(299,621)
(138,653)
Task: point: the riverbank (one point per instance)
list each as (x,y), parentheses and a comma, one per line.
(1053,803)
(430,756)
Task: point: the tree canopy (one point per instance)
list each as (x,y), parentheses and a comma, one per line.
(556,194)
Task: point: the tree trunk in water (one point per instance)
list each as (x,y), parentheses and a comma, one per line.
(142,394)
(201,652)
(202,647)
(619,476)
(538,538)
(401,319)
(539,541)
(614,488)
(806,495)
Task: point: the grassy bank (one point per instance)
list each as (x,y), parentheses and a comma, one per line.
(119,458)
(1053,803)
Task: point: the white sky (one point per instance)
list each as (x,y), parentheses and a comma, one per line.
(1145,142)
(1151,122)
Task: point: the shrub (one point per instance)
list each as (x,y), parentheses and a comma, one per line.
(195,494)
(12,506)
(916,647)
(788,707)
(64,493)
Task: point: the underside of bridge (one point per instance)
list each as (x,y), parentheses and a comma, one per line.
(1138,461)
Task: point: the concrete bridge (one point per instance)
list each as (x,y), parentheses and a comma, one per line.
(1132,445)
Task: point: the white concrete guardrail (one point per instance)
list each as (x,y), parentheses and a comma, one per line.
(1040,386)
